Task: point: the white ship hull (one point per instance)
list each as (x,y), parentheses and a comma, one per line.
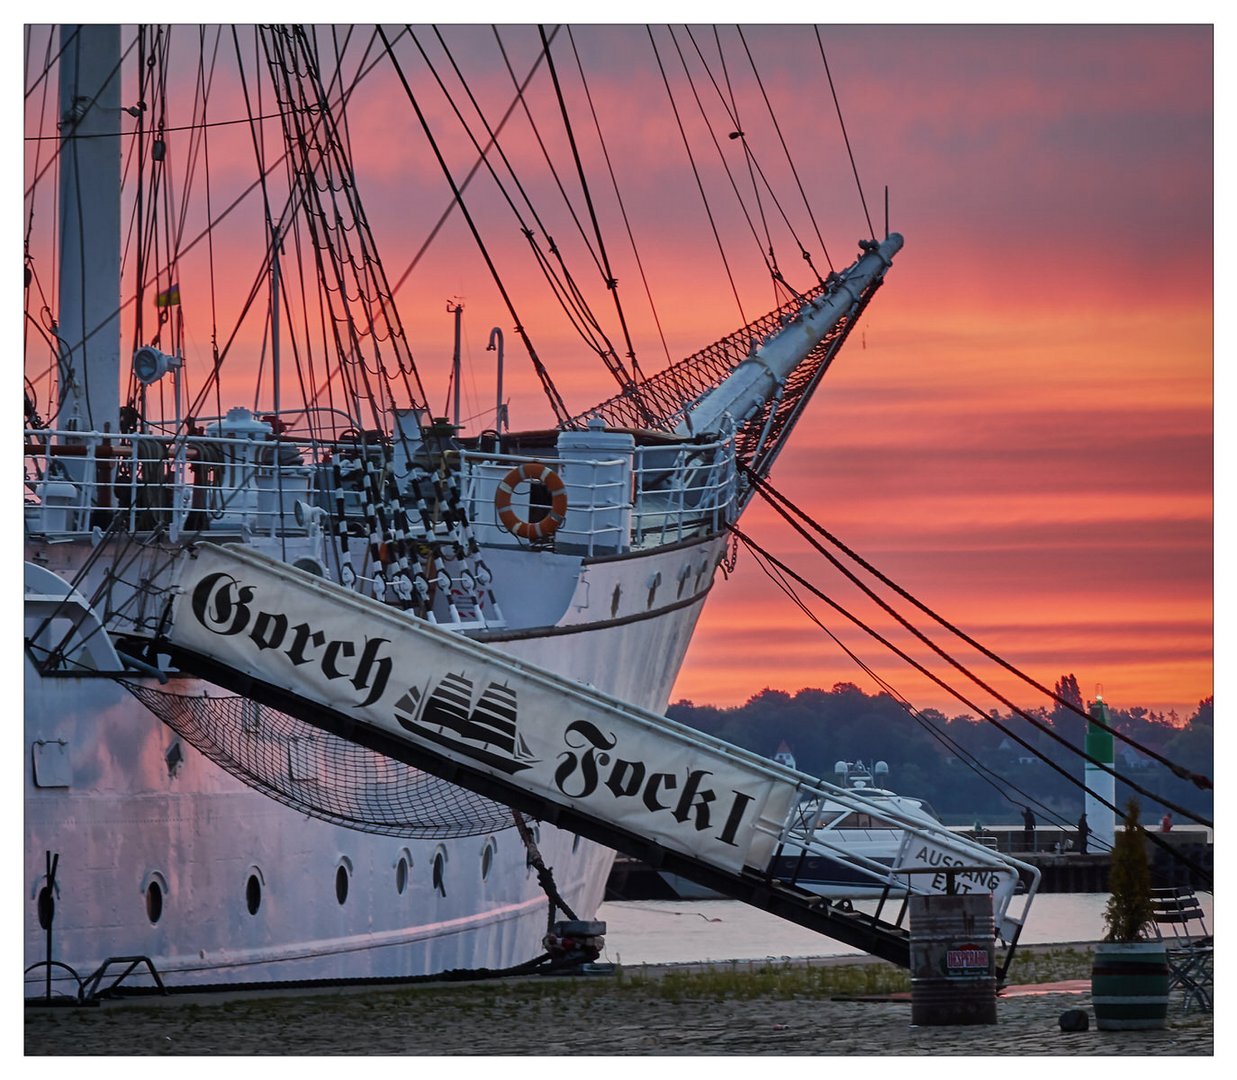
(120,817)
(587,549)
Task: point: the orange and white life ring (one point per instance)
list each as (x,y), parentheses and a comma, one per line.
(534,472)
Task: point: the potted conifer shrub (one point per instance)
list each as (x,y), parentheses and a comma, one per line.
(1129,973)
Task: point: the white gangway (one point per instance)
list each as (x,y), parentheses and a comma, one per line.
(566,752)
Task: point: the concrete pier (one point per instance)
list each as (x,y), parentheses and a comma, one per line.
(617,1016)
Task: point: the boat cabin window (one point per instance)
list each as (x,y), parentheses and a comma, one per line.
(866,821)
(805,816)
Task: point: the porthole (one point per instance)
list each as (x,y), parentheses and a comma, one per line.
(343,873)
(154,902)
(401,872)
(253,894)
(438,872)
(487,858)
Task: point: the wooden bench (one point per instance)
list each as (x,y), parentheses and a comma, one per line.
(1178,921)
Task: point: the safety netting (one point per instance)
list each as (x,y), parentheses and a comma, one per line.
(667,397)
(318,773)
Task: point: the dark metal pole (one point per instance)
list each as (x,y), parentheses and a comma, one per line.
(47,912)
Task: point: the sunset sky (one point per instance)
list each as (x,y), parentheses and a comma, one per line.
(1026,441)
(1020,431)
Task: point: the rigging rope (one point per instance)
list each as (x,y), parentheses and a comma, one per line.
(753,167)
(549,161)
(737,132)
(32,277)
(1009,733)
(988,775)
(786,149)
(213,375)
(635,364)
(358,275)
(493,137)
(611,282)
(696,173)
(565,291)
(1045,729)
(547,384)
(767,256)
(786,508)
(845,137)
(759,483)
(49,61)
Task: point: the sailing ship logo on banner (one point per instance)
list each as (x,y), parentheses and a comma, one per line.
(485,732)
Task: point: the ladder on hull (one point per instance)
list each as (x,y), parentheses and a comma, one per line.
(556,749)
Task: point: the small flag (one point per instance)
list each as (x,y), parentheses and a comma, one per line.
(168,298)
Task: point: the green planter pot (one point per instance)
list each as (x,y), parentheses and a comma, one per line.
(1129,985)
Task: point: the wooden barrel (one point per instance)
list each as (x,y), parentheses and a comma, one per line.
(953,960)
(1129,985)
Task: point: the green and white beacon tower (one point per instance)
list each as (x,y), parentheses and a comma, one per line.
(1100,819)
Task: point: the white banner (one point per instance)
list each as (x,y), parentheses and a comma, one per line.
(969,872)
(479,707)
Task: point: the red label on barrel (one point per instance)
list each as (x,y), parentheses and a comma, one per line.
(968,959)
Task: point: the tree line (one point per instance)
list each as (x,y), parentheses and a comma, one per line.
(968,768)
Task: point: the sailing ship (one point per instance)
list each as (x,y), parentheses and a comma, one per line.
(486,730)
(220,840)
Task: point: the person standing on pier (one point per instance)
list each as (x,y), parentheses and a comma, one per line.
(1083,833)
(1028,829)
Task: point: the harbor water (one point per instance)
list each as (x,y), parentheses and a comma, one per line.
(697,931)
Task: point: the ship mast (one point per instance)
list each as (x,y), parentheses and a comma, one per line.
(89,322)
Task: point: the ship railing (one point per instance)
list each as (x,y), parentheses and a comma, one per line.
(78,481)
(223,487)
(931,858)
(660,495)
(683,491)
(598,494)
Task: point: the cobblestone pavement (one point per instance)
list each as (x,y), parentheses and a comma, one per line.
(575,1017)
